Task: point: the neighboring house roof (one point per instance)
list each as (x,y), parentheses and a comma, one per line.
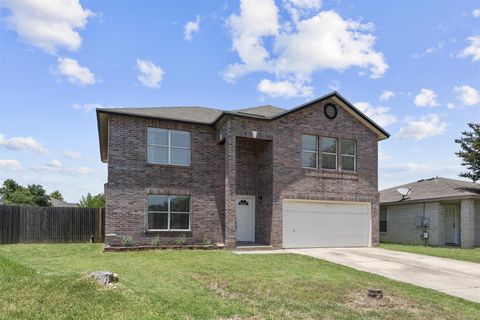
(60,203)
(431,189)
(211,116)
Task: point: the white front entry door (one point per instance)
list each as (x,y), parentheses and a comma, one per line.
(246,218)
(450,225)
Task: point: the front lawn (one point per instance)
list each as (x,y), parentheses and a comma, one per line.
(47,282)
(472,255)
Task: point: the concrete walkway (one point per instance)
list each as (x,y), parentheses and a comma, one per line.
(453,277)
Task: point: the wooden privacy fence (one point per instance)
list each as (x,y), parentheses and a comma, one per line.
(20,224)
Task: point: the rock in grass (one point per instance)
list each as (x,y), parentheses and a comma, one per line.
(105,278)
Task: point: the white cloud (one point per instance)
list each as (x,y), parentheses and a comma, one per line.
(23,143)
(191,27)
(47,25)
(451,105)
(286,89)
(301,8)
(476,13)
(378,114)
(257,20)
(467,95)
(149,74)
(439,46)
(74,72)
(419,129)
(473,49)
(87,107)
(426,98)
(54,164)
(382,156)
(72,155)
(10,165)
(301,46)
(386,95)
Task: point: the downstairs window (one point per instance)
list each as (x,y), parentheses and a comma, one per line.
(168,212)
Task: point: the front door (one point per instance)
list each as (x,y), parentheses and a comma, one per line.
(246,218)
(450,225)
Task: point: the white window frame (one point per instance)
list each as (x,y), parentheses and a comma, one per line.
(310,151)
(330,153)
(348,155)
(170,147)
(170,212)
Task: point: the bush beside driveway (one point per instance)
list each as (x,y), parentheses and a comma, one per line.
(48,282)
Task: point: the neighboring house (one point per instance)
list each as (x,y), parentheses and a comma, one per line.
(451,209)
(56,203)
(61,203)
(305,177)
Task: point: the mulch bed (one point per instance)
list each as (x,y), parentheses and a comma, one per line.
(174,247)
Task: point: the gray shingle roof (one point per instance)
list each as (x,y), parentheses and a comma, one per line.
(195,114)
(191,114)
(433,188)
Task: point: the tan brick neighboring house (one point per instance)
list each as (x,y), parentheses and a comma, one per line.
(451,208)
(305,177)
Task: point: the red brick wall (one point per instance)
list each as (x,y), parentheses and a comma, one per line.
(221,170)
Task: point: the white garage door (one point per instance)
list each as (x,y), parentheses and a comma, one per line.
(309,224)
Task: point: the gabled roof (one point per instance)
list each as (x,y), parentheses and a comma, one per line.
(61,203)
(211,116)
(431,189)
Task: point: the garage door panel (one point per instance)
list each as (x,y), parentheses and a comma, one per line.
(321,224)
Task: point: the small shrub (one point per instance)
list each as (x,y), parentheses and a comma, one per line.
(127,241)
(155,241)
(181,240)
(206,241)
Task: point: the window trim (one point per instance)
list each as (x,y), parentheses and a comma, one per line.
(170,147)
(348,155)
(330,153)
(385,220)
(309,151)
(170,212)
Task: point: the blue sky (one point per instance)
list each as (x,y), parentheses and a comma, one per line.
(413,66)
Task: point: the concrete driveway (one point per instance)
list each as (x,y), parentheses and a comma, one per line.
(454,277)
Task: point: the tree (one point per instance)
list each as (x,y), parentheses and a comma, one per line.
(90,201)
(34,195)
(470,152)
(56,195)
(40,196)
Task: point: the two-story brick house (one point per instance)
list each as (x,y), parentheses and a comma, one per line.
(305,177)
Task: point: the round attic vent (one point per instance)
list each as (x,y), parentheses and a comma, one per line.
(330,111)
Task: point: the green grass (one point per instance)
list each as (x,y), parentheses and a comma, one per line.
(472,255)
(48,282)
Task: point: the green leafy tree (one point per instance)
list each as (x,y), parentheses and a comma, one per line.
(56,195)
(470,152)
(90,201)
(34,195)
(40,196)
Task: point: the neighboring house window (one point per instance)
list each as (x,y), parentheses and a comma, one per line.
(329,153)
(168,146)
(309,151)
(347,155)
(167,212)
(383,219)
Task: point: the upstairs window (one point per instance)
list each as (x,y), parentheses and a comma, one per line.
(348,152)
(329,153)
(168,212)
(309,151)
(168,146)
